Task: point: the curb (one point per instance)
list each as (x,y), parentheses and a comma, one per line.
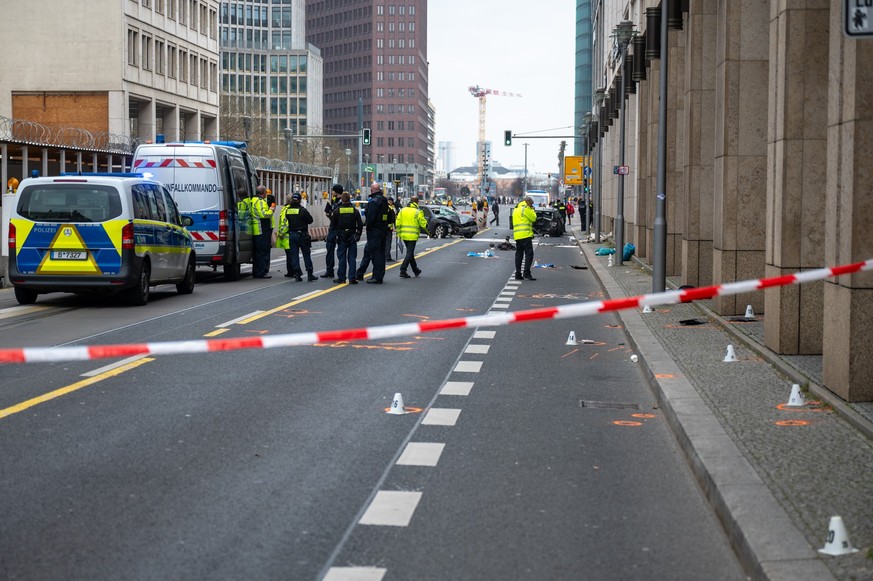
(765,540)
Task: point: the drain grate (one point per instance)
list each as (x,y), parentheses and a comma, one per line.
(608,405)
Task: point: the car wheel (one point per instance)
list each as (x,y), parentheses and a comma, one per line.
(186,287)
(440,231)
(139,295)
(231,271)
(468,235)
(25,296)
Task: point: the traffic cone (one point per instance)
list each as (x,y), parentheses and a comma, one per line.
(750,312)
(838,539)
(647,309)
(397,408)
(796,398)
(730,356)
(571,340)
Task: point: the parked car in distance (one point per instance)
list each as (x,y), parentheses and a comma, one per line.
(442,221)
(549,222)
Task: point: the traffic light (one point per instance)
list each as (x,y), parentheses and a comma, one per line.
(507,137)
(366,136)
(585,185)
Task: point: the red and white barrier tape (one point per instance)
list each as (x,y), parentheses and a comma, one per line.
(83,353)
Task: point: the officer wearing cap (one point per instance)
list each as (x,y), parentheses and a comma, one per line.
(261,217)
(377,225)
(521,221)
(293,236)
(346,221)
(330,241)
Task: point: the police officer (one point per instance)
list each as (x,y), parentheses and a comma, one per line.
(330,241)
(389,233)
(523,218)
(410,222)
(376,224)
(346,221)
(293,236)
(562,209)
(261,216)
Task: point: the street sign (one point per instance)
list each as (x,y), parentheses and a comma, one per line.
(573,170)
(620,170)
(370,169)
(587,171)
(858,18)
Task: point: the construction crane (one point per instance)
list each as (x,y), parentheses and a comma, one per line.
(481,92)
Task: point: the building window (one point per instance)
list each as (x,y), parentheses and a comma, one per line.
(411,10)
(147,52)
(171,9)
(183,65)
(159,6)
(159,57)
(380,10)
(132,47)
(192,72)
(411,27)
(171,61)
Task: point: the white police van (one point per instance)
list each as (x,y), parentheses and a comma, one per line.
(211,183)
(109,233)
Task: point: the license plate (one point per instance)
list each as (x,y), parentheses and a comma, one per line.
(69,255)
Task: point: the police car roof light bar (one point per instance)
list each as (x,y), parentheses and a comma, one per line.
(102,174)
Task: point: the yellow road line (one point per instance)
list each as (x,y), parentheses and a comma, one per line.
(217,332)
(71,388)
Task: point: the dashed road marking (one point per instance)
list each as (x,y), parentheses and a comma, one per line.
(355,574)
(391,508)
(500,306)
(421,454)
(238,319)
(510,293)
(468,367)
(457,388)
(112,366)
(441,417)
(484,334)
(483,349)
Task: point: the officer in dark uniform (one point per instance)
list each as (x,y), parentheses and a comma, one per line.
(330,241)
(294,223)
(346,221)
(562,209)
(377,224)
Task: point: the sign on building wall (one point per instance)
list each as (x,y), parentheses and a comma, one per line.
(858,18)
(573,170)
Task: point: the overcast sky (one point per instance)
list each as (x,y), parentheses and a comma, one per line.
(526,48)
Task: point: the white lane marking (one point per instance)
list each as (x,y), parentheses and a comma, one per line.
(503,300)
(468,366)
(484,334)
(421,454)
(441,417)
(21,310)
(238,319)
(508,293)
(303,296)
(355,574)
(392,508)
(457,388)
(500,306)
(112,366)
(477,349)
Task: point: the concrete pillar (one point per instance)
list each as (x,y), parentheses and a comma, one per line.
(653,100)
(171,124)
(25,162)
(675,153)
(848,301)
(147,122)
(740,168)
(643,167)
(796,150)
(699,149)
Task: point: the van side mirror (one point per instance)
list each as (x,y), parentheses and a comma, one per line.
(187,221)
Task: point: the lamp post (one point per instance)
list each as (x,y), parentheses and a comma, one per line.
(247,128)
(349,168)
(659,274)
(588,120)
(289,141)
(623,33)
(599,97)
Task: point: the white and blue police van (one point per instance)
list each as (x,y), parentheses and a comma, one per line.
(211,184)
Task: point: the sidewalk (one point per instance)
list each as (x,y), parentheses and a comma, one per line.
(774,487)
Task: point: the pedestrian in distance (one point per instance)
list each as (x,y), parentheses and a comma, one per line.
(495,209)
(376,224)
(346,221)
(522,221)
(293,236)
(261,216)
(570,211)
(410,223)
(330,240)
(389,233)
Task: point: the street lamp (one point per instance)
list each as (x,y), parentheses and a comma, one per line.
(588,119)
(348,168)
(623,33)
(599,98)
(247,128)
(326,155)
(289,141)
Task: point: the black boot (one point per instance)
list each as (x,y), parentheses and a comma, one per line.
(328,274)
(310,277)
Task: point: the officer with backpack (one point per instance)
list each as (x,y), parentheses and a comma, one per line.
(293,236)
(346,221)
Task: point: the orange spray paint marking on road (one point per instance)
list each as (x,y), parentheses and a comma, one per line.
(784,407)
(408,409)
(647,416)
(626,423)
(593,356)
(570,353)
(786,423)
(664,376)
(416,316)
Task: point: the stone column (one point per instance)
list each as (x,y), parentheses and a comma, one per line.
(642,167)
(796,154)
(676,137)
(740,169)
(848,300)
(699,114)
(653,99)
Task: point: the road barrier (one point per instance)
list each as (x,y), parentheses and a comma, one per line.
(85,353)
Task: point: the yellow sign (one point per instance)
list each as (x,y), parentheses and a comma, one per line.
(573,170)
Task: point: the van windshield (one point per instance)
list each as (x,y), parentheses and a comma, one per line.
(60,202)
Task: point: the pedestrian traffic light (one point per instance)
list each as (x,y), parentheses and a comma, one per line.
(507,137)
(366,136)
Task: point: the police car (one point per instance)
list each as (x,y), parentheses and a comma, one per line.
(110,233)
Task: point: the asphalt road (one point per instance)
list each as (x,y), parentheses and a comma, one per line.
(522,457)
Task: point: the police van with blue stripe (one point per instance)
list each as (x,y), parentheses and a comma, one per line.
(110,233)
